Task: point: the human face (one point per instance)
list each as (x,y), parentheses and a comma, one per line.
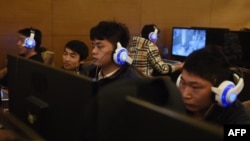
(22,50)
(71,59)
(102,52)
(195,91)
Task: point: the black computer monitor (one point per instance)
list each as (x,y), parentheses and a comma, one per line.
(244,37)
(141,120)
(185,40)
(50,100)
(214,35)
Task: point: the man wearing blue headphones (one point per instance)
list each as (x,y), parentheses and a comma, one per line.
(209,88)
(145,53)
(109,55)
(29,41)
(112,63)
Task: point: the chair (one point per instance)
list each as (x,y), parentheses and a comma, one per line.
(48,57)
(246,104)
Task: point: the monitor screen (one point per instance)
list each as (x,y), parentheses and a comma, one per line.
(185,40)
(141,120)
(50,100)
(244,37)
(149,109)
(214,35)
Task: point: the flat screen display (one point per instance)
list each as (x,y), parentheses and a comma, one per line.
(49,100)
(186,40)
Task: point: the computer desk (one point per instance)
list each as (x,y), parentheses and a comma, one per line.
(173,76)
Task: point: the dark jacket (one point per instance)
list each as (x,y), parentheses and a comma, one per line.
(37,57)
(125,72)
(234,114)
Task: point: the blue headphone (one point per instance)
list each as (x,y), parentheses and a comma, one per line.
(226,93)
(30,42)
(120,55)
(153,36)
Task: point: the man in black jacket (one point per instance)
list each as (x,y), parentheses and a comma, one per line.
(209,88)
(109,53)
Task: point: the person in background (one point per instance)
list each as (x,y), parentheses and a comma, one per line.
(109,39)
(145,53)
(209,86)
(28,43)
(74,56)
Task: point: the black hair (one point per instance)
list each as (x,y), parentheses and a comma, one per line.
(210,64)
(38,36)
(147,29)
(79,47)
(112,31)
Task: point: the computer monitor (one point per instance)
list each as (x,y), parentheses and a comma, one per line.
(141,120)
(244,37)
(185,40)
(50,100)
(214,35)
(126,113)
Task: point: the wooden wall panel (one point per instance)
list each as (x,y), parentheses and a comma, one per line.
(63,20)
(74,19)
(20,14)
(230,13)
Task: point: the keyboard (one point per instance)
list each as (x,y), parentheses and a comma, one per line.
(173,62)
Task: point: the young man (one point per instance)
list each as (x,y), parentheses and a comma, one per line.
(145,53)
(29,41)
(74,55)
(209,88)
(108,53)
(112,64)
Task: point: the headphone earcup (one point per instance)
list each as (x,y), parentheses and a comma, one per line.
(30,42)
(120,55)
(153,36)
(225,94)
(228,91)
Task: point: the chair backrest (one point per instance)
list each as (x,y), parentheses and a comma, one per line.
(246,104)
(48,57)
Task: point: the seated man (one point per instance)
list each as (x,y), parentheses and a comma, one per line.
(112,64)
(109,54)
(29,41)
(145,53)
(210,87)
(74,55)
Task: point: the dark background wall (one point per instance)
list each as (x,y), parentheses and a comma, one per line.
(63,20)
